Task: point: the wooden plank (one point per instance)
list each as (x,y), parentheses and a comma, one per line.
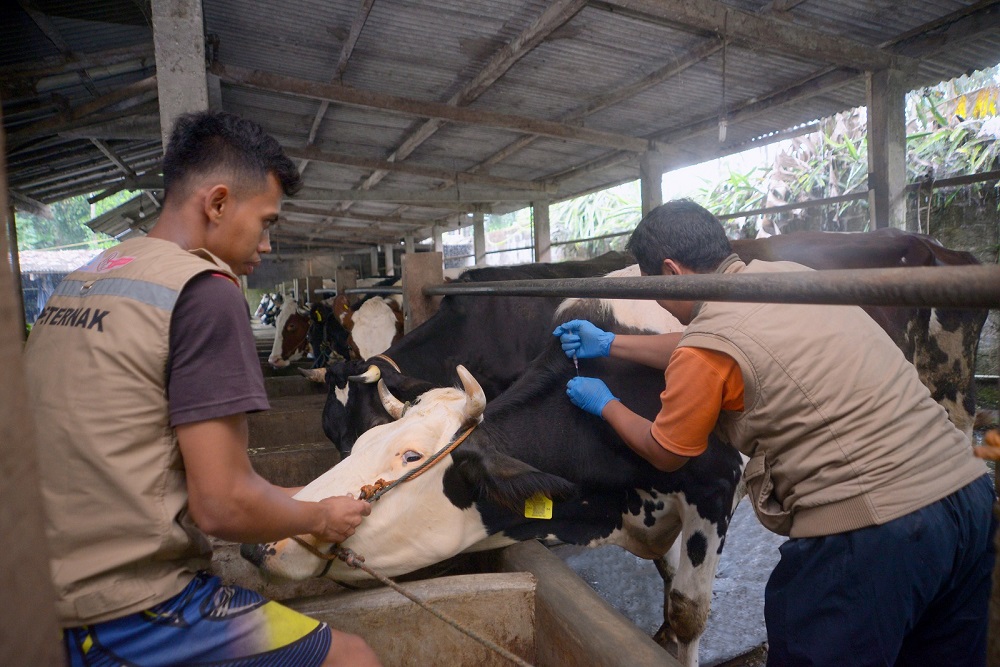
(408,106)
(541,231)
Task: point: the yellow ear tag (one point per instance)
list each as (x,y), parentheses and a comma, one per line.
(538,506)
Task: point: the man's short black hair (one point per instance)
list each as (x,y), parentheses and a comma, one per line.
(210,141)
(682,231)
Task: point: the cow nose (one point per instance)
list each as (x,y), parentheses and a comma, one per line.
(253,553)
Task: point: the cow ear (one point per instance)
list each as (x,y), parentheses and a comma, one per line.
(507,481)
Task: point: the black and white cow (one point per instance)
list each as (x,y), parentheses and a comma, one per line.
(532,440)
(494,337)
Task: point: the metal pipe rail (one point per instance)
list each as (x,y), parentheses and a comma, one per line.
(942,286)
(374,290)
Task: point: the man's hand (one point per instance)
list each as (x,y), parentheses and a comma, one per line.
(589,394)
(990,449)
(342,515)
(583,340)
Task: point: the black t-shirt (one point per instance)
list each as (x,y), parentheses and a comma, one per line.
(212,369)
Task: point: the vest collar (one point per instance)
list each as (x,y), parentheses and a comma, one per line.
(731,264)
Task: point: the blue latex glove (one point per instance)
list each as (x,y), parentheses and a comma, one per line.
(583,340)
(589,394)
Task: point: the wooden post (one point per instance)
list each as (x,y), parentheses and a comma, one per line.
(390,258)
(887,149)
(420,269)
(373,255)
(409,243)
(29,633)
(479,237)
(650,181)
(15,263)
(179,42)
(311,284)
(437,233)
(543,236)
(345,279)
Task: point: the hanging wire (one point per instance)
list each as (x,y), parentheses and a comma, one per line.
(722,106)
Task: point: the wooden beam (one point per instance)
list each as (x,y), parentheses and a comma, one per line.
(49,29)
(65,64)
(763,33)
(295,209)
(120,163)
(959,26)
(445,197)
(81,112)
(556,14)
(314,154)
(407,106)
(29,205)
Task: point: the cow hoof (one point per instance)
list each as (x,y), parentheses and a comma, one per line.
(666,639)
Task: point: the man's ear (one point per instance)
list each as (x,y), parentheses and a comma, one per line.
(216,200)
(672,267)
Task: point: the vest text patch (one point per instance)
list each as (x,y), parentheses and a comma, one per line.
(86,318)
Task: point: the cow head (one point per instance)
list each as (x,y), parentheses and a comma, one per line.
(291,335)
(424,520)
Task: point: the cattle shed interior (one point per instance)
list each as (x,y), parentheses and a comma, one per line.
(408,119)
(411,118)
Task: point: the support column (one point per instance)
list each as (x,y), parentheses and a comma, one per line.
(419,270)
(30,634)
(388,251)
(887,149)
(408,241)
(543,236)
(345,279)
(179,42)
(438,235)
(374,260)
(479,237)
(651,181)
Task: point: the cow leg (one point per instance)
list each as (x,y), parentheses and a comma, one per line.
(667,565)
(690,595)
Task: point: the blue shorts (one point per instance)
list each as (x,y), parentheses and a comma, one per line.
(914,591)
(205,624)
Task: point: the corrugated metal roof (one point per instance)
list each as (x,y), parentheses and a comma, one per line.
(432,51)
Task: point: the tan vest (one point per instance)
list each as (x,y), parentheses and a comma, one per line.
(840,430)
(112,477)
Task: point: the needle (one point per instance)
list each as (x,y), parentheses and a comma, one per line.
(576,365)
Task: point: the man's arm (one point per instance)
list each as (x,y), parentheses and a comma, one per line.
(649,350)
(231,501)
(634,430)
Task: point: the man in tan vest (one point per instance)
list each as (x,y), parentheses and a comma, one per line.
(888,511)
(142,368)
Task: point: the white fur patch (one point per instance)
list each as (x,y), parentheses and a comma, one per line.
(374,327)
(641,314)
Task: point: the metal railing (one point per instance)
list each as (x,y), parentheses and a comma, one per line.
(944,286)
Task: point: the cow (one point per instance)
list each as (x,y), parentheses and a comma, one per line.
(940,342)
(531,445)
(290,336)
(515,328)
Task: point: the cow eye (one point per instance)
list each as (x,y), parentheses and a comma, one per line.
(410,456)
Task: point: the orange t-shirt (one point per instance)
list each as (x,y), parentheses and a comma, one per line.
(699,384)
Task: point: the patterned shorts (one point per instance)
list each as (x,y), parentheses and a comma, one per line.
(205,624)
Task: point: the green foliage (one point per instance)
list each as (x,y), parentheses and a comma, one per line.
(598,214)
(68,227)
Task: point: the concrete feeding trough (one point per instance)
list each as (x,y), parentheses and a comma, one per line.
(532,605)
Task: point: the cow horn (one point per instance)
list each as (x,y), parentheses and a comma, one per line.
(370,376)
(392,405)
(476,402)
